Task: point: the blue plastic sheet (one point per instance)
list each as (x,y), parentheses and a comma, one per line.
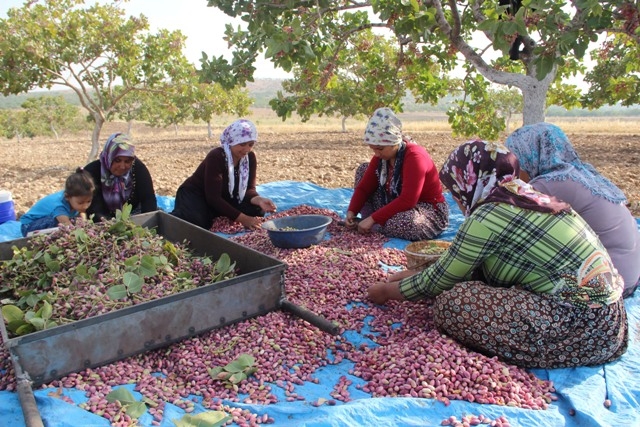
(580,391)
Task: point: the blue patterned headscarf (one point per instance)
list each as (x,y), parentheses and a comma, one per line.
(544,151)
(238,132)
(115,189)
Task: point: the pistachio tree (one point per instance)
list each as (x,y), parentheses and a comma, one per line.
(615,79)
(531,45)
(358,79)
(88,49)
(50,114)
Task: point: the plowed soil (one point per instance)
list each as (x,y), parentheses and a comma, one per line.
(33,168)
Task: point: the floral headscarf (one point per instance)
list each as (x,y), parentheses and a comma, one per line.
(238,132)
(544,150)
(384,128)
(480,172)
(115,189)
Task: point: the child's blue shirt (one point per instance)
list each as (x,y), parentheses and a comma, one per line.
(50,206)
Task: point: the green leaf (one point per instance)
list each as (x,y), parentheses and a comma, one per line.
(213,372)
(80,235)
(51,263)
(204,419)
(132,281)
(25,329)
(45,311)
(238,377)
(122,395)
(11,313)
(136,409)
(148,266)
(117,292)
(544,66)
(131,261)
(37,322)
(246,360)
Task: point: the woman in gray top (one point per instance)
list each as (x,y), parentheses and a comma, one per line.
(553,167)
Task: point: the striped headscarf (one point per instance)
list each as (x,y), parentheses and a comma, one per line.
(238,132)
(115,189)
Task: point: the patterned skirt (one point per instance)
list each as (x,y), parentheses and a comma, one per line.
(531,330)
(422,222)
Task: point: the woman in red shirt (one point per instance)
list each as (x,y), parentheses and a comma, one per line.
(397,193)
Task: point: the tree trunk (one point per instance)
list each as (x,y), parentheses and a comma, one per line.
(209,130)
(175,129)
(95,138)
(344,125)
(53,129)
(534,97)
(129,126)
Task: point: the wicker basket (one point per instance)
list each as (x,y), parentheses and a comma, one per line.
(416,259)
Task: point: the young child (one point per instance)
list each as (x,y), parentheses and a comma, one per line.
(58,208)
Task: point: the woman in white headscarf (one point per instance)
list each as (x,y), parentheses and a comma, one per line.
(224,184)
(398,192)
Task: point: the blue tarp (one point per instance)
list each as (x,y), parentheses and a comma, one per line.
(580,391)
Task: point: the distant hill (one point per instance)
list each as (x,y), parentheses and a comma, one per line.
(263,90)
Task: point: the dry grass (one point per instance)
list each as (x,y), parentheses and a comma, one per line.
(267,120)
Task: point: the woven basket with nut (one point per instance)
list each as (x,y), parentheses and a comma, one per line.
(423,253)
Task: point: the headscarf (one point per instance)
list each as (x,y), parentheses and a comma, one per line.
(480,172)
(385,128)
(238,132)
(544,150)
(116,189)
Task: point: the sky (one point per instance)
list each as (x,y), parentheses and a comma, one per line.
(203,26)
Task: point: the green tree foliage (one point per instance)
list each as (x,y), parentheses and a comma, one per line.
(15,124)
(616,77)
(90,50)
(528,47)
(48,114)
(356,80)
(209,100)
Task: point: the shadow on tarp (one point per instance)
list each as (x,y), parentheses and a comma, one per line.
(580,389)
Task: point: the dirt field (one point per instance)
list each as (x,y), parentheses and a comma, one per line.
(32,169)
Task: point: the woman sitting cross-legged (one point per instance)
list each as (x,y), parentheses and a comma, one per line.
(551,165)
(525,278)
(397,193)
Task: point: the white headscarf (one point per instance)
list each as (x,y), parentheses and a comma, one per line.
(384,128)
(238,132)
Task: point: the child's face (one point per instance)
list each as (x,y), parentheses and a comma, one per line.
(80,203)
(121,165)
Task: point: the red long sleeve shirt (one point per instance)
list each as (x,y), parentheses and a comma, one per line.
(420,183)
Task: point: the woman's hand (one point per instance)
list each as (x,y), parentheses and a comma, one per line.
(364,226)
(264,203)
(381,292)
(250,222)
(350,220)
(399,275)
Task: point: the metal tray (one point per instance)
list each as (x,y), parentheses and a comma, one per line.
(47,355)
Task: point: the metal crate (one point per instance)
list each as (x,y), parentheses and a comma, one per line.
(258,289)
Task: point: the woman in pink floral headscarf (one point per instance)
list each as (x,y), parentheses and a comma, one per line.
(224,184)
(398,192)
